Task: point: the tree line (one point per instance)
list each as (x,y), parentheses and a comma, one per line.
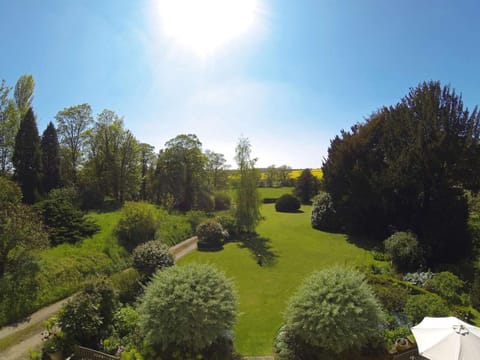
(100,157)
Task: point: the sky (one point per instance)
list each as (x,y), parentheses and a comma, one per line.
(288,75)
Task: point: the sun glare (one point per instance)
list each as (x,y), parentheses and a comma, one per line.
(205,25)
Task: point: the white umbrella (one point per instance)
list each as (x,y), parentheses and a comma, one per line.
(447,338)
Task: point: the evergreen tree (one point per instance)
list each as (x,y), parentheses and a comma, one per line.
(50,158)
(27,158)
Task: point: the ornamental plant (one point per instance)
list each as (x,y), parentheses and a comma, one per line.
(151,256)
(210,235)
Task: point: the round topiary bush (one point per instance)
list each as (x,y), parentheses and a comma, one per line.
(324,216)
(287,203)
(151,256)
(186,309)
(404,250)
(222,201)
(210,235)
(335,311)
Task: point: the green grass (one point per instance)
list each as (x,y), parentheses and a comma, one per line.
(263,291)
(274,192)
(64,268)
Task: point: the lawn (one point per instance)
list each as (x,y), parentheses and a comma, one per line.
(295,250)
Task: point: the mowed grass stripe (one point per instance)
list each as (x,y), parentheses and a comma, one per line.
(264,291)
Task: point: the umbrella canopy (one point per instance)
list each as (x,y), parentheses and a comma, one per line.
(447,338)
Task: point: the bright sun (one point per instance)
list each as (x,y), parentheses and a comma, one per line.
(205,25)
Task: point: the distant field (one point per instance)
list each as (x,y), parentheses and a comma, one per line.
(296,173)
(297,250)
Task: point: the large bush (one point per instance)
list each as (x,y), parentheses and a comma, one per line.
(127,285)
(137,224)
(150,256)
(335,311)
(447,285)
(324,217)
(419,306)
(210,235)
(287,203)
(404,250)
(222,201)
(205,201)
(86,318)
(187,308)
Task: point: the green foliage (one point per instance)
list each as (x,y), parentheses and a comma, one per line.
(447,285)
(137,224)
(222,201)
(50,159)
(324,217)
(229,224)
(27,159)
(404,251)
(475,291)
(85,319)
(247,212)
(334,310)
(180,172)
(419,306)
(287,203)
(151,256)
(418,278)
(306,186)
(205,201)
(65,223)
(391,295)
(8,128)
(127,285)
(211,235)
(407,167)
(187,308)
(10,193)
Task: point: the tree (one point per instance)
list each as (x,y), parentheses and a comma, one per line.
(272,176)
(404,251)
(50,158)
(407,167)
(73,123)
(247,211)
(284,175)
(23,94)
(21,231)
(216,167)
(306,186)
(180,172)
(114,158)
(334,311)
(27,159)
(8,128)
(147,159)
(187,308)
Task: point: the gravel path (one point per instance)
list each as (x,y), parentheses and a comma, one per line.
(29,331)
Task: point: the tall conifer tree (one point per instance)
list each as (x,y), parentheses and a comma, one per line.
(27,158)
(50,158)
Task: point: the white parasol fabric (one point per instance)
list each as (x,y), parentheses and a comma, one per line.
(447,338)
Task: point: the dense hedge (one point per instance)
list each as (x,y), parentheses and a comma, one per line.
(287,203)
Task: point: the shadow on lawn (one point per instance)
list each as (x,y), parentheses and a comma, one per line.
(259,247)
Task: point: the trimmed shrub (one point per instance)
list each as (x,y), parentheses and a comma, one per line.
(419,306)
(335,310)
(447,285)
(210,235)
(222,201)
(404,251)
(151,256)
(287,203)
(185,309)
(324,217)
(137,225)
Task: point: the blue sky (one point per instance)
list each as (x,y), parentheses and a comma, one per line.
(302,71)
